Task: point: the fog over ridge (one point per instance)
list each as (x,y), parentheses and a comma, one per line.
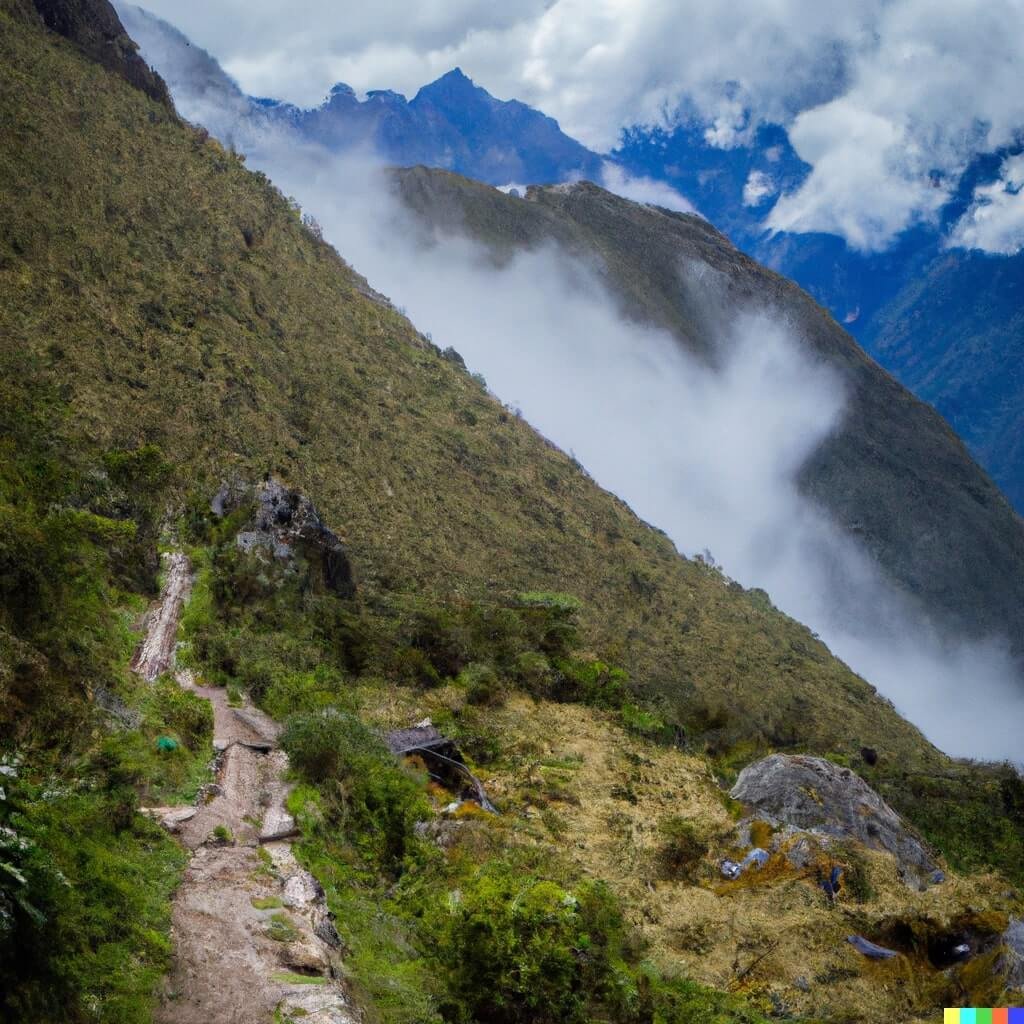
(711,456)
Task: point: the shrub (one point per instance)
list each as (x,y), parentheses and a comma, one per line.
(524,949)
(646,723)
(481,684)
(174,709)
(682,847)
(551,621)
(589,682)
(292,692)
(328,744)
(413,667)
(534,673)
(89,925)
(368,794)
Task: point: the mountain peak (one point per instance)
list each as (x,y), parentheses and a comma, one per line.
(454,86)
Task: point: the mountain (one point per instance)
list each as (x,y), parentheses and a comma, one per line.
(449,123)
(944,321)
(893,475)
(189,369)
(455,125)
(954,333)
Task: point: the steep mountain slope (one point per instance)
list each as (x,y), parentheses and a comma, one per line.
(171,297)
(943,321)
(166,323)
(894,475)
(455,125)
(954,333)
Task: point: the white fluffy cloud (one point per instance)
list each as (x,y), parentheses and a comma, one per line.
(886,99)
(643,190)
(759,186)
(936,87)
(995,219)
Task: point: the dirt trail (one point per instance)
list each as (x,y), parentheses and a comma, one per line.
(251,933)
(156,652)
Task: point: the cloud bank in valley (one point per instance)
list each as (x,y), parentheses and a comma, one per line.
(710,456)
(888,101)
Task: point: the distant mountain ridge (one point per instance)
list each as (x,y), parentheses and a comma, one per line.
(450,123)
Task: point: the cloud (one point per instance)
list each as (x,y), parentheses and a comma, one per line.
(643,190)
(759,187)
(934,89)
(994,222)
(711,456)
(884,98)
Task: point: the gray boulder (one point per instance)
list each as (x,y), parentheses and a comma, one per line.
(1013,959)
(814,794)
(286,523)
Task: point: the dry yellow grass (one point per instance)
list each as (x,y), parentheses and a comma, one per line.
(570,777)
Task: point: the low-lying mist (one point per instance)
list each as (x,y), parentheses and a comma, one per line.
(710,456)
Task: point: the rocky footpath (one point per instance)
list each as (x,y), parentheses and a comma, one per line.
(253,941)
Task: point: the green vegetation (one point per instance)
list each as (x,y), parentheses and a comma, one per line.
(488,931)
(683,847)
(281,929)
(291,978)
(173,298)
(85,885)
(973,813)
(166,322)
(266,902)
(222,835)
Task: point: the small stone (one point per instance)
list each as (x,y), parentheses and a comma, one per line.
(277,824)
(301,889)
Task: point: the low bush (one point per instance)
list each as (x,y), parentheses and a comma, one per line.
(85,887)
(646,723)
(524,949)
(366,792)
(683,847)
(481,683)
(588,681)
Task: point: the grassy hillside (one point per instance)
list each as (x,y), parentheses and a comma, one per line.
(166,321)
(894,474)
(155,292)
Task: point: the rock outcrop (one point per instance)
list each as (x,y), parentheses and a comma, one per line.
(286,523)
(814,794)
(93,25)
(1013,959)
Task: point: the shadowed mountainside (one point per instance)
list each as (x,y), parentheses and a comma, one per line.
(894,475)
